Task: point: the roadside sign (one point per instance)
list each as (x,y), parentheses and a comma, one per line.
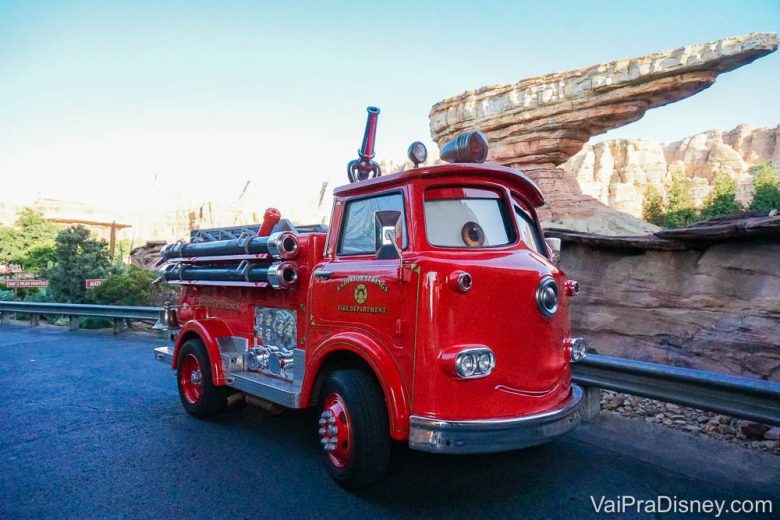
(93,282)
(26,283)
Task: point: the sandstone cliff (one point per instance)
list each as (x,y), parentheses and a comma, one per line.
(703,297)
(539,123)
(617,171)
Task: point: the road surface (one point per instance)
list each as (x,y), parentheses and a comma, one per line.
(91,427)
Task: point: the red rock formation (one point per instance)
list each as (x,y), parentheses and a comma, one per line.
(702,297)
(539,123)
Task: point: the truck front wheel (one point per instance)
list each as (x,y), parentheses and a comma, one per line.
(353,428)
(197,392)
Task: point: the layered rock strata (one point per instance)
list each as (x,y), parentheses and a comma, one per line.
(703,297)
(539,123)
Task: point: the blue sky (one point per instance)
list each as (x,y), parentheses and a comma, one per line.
(97,90)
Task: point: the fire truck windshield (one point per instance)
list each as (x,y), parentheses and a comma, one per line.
(465,222)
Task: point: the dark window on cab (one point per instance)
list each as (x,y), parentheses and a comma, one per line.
(358,224)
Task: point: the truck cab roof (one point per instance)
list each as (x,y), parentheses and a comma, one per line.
(514,179)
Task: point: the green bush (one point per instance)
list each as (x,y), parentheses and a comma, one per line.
(37,297)
(766,188)
(680,210)
(7,295)
(133,287)
(653,206)
(722,200)
(92,322)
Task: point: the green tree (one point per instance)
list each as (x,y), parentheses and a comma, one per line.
(680,210)
(722,200)
(766,188)
(133,287)
(653,206)
(79,256)
(30,242)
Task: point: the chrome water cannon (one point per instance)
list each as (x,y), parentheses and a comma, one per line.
(365,167)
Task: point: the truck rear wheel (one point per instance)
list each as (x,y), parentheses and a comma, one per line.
(196,389)
(353,428)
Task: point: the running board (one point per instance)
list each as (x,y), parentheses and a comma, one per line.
(285,393)
(280,392)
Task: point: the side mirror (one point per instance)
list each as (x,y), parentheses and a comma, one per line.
(388,234)
(555,246)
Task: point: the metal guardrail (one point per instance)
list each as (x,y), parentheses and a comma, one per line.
(118,313)
(741,397)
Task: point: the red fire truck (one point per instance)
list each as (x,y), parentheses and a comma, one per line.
(431,311)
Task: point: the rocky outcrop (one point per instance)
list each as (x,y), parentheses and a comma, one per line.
(147,255)
(709,301)
(617,171)
(539,123)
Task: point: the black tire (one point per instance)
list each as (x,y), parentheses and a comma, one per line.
(212,399)
(368,422)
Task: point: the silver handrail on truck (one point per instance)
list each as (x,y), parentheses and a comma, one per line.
(742,397)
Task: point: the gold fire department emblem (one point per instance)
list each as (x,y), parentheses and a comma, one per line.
(361,294)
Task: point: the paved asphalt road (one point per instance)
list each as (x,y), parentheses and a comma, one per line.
(91,427)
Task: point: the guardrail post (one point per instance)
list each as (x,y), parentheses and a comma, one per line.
(118,325)
(5,318)
(35,320)
(74,323)
(591,403)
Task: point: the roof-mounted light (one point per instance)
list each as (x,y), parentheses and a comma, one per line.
(468,147)
(417,153)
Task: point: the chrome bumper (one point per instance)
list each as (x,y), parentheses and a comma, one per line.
(164,354)
(486,436)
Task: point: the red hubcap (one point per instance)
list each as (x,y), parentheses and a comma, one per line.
(336,430)
(191,379)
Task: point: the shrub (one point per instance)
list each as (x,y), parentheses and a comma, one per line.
(7,295)
(680,211)
(133,287)
(37,296)
(653,206)
(766,185)
(92,322)
(722,200)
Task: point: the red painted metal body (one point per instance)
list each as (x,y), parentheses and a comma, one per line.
(417,318)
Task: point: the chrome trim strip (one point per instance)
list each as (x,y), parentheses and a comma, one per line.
(495,435)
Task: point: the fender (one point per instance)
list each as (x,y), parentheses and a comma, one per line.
(382,364)
(207,330)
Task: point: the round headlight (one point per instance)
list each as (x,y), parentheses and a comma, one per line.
(485,363)
(547,296)
(465,365)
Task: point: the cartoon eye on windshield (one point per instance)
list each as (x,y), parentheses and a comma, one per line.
(472,234)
